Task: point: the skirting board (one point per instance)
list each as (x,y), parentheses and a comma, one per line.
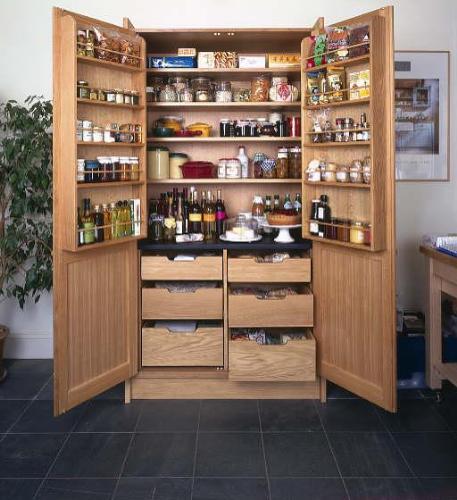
(29,346)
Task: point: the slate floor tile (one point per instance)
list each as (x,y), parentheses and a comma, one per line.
(230,488)
(18,489)
(92,456)
(369,488)
(169,416)
(336,392)
(109,416)
(28,455)
(349,415)
(47,392)
(161,454)
(36,366)
(22,385)
(307,488)
(77,489)
(230,454)
(413,415)
(439,488)
(147,488)
(10,410)
(429,453)
(289,415)
(229,415)
(39,417)
(362,454)
(299,454)
(448,410)
(116,392)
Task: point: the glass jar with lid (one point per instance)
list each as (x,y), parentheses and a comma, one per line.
(185,94)
(127,97)
(119,96)
(168,94)
(342,173)
(343,230)
(295,162)
(134,168)
(110,96)
(223,92)
(366,170)
(158,162)
(125,168)
(83,89)
(355,172)
(135,98)
(202,89)
(233,168)
(267,129)
(282,163)
(221,168)
(260,88)
(357,233)
(257,162)
(179,82)
(93,94)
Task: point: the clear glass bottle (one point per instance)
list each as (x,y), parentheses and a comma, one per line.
(244,162)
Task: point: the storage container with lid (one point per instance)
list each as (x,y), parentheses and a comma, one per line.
(134,168)
(357,233)
(221,168)
(223,91)
(176,160)
(295,162)
(260,88)
(282,163)
(158,162)
(233,168)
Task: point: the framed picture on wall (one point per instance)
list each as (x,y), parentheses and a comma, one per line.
(422,115)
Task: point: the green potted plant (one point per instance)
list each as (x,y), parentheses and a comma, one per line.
(25,203)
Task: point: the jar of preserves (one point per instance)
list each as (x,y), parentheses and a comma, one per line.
(366,170)
(282,164)
(127,97)
(124,168)
(267,130)
(223,92)
(176,160)
(357,233)
(168,94)
(224,127)
(110,96)
(101,95)
(268,167)
(115,162)
(233,168)
(355,172)
(342,173)
(135,98)
(119,96)
(103,168)
(221,168)
(134,168)
(257,162)
(295,162)
(158,162)
(329,173)
(93,94)
(257,209)
(83,89)
(260,88)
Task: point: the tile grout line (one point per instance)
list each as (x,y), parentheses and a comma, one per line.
(194,468)
(331,448)
(267,475)
(129,447)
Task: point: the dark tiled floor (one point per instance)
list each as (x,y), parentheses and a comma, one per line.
(223,450)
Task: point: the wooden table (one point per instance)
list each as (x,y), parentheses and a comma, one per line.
(441,278)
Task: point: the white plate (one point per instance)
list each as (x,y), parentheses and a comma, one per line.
(256,238)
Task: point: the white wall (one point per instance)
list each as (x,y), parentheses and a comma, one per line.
(25,39)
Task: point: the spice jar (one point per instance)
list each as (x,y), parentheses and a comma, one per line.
(223,92)
(356,233)
(342,173)
(93,94)
(221,167)
(367,234)
(329,173)
(103,170)
(119,96)
(282,164)
(176,160)
(224,127)
(332,230)
(233,168)
(260,87)
(110,96)
(87,131)
(80,170)
(101,95)
(268,130)
(83,89)
(135,98)
(355,172)
(97,134)
(134,166)
(366,170)
(125,168)
(115,162)
(343,230)
(295,162)
(127,97)
(158,163)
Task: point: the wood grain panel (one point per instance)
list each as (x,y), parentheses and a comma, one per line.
(200,348)
(247,270)
(294,361)
(204,303)
(160,267)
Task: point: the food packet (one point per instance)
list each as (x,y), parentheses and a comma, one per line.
(335,83)
(337,43)
(358,35)
(314,86)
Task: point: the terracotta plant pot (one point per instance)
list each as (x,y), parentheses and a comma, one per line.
(4,331)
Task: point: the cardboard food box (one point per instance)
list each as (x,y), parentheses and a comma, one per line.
(252,61)
(359,84)
(284,60)
(206,60)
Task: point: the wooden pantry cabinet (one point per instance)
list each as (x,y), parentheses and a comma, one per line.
(106,299)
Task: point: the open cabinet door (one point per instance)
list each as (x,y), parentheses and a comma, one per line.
(354,284)
(95,285)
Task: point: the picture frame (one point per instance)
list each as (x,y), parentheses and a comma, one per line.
(422,116)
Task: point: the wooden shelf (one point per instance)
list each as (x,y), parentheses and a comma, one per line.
(108,64)
(111,144)
(214,72)
(366,248)
(225,181)
(223,105)
(337,144)
(109,243)
(223,139)
(347,102)
(93,102)
(349,185)
(90,185)
(347,62)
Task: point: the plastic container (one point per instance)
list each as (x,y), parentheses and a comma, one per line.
(158,163)
(197,170)
(176,160)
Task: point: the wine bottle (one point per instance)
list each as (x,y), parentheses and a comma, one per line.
(220,214)
(195,216)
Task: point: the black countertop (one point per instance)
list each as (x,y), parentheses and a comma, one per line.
(201,246)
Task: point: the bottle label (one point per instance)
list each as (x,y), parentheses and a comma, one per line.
(179,227)
(195,217)
(313,227)
(209,217)
(320,213)
(220,215)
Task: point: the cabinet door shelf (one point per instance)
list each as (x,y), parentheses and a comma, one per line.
(108,64)
(346,102)
(223,139)
(90,185)
(337,144)
(223,105)
(355,246)
(95,102)
(225,181)
(111,144)
(346,62)
(117,241)
(349,185)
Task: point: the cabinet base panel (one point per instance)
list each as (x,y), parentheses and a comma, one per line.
(220,388)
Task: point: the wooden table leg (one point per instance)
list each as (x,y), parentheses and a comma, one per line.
(433,339)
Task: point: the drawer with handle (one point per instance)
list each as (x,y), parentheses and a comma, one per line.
(249,270)
(294,361)
(160,267)
(250,310)
(162,346)
(202,303)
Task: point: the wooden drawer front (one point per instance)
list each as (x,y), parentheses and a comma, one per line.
(294,361)
(249,271)
(161,268)
(204,303)
(204,347)
(249,311)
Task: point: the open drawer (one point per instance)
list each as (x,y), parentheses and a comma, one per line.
(160,267)
(248,310)
(291,362)
(162,346)
(203,303)
(247,270)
